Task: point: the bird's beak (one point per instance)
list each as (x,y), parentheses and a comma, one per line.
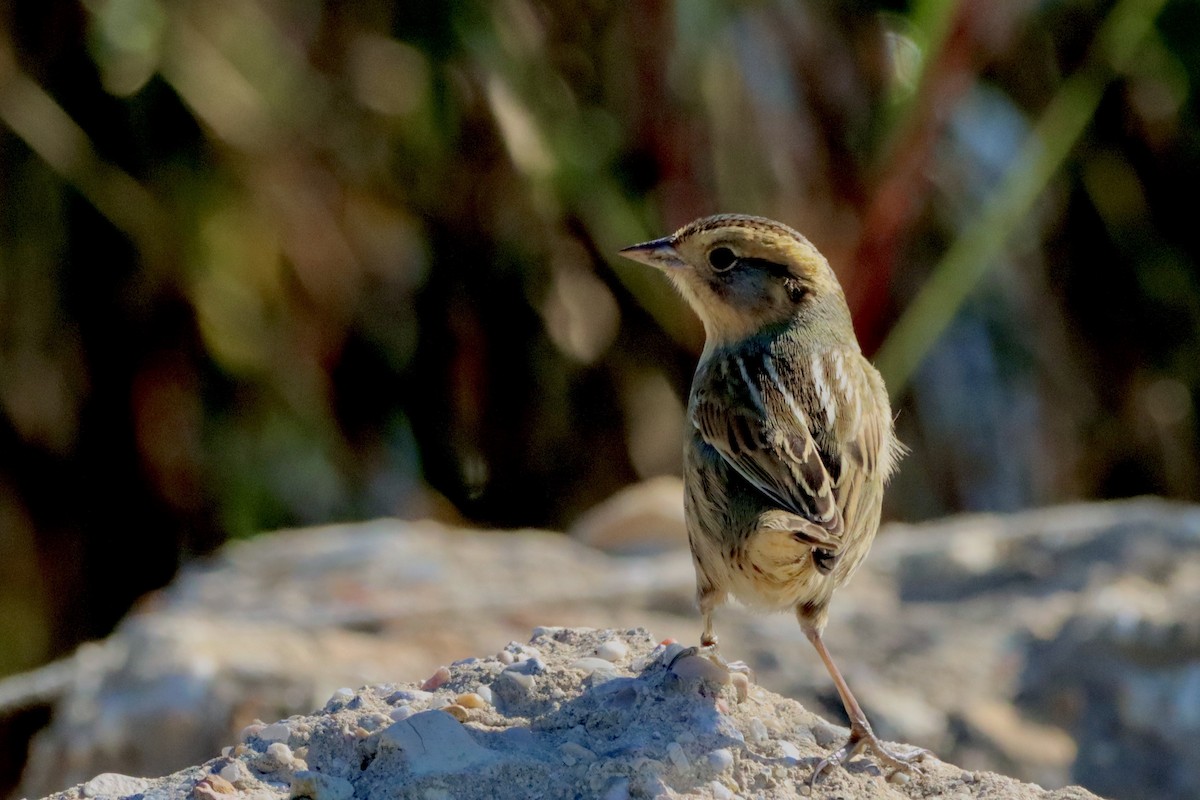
(659,253)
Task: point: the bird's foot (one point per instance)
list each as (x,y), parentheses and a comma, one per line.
(709,651)
(864,739)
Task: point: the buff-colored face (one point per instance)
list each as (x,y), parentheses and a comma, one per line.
(743,274)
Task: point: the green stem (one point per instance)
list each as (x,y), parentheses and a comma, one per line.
(1120,38)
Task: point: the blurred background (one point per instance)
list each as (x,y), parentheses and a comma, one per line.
(278,262)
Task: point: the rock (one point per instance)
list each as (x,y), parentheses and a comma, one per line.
(644,518)
(1082,620)
(114,785)
(563,740)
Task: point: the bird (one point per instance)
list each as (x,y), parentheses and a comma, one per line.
(790,436)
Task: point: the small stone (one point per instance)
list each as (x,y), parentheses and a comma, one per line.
(407,696)
(789,750)
(532,665)
(458,712)
(741,685)
(278,754)
(485,692)
(757,733)
(471,700)
(226,750)
(967,777)
(700,668)
(434,743)
(114,784)
(720,760)
(589,665)
(577,752)
(342,695)
(720,791)
(670,651)
(402,713)
(439,677)
(617,790)
(678,757)
(827,735)
(505,657)
(900,777)
(320,786)
(235,773)
(275,732)
(524,681)
(612,650)
(251,730)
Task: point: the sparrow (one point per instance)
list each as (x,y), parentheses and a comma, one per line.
(789,437)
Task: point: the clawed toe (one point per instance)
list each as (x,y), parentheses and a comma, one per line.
(860,741)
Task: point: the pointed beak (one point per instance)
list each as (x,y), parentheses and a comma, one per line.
(659,253)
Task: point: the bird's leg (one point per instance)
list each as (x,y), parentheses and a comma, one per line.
(861,736)
(708,600)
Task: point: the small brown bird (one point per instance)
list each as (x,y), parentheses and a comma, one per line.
(791,438)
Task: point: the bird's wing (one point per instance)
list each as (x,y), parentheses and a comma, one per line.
(756,423)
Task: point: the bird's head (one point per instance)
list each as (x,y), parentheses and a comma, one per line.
(744,275)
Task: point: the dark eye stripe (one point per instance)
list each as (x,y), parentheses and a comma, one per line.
(778,270)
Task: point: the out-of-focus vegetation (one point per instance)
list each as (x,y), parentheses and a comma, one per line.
(273,262)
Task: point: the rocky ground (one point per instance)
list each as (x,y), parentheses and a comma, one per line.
(575,713)
(1057,646)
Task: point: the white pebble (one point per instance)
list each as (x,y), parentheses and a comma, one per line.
(526,682)
(402,713)
(505,657)
(758,731)
(275,732)
(671,651)
(342,695)
(280,752)
(699,667)
(234,772)
(612,650)
(589,665)
(720,791)
(720,760)
(678,757)
(486,693)
(789,750)
(114,784)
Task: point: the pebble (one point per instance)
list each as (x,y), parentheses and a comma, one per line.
(212,787)
(827,735)
(320,786)
(700,668)
(612,650)
(576,752)
(720,759)
(589,665)
(439,677)
(670,651)
(235,772)
(458,712)
(275,732)
(617,790)
(251,730)
(402,713)
(720,791)
(114,784)
(472,700)
(678,757)
(485,692)
(789,750)
(967,777)
(529,666)
(280,753)
(757,732)
(342,695)
(899,776)
(521,679)
(505,657)
(741,685)
(409,696)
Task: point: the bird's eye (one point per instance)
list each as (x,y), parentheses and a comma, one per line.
(721,258)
